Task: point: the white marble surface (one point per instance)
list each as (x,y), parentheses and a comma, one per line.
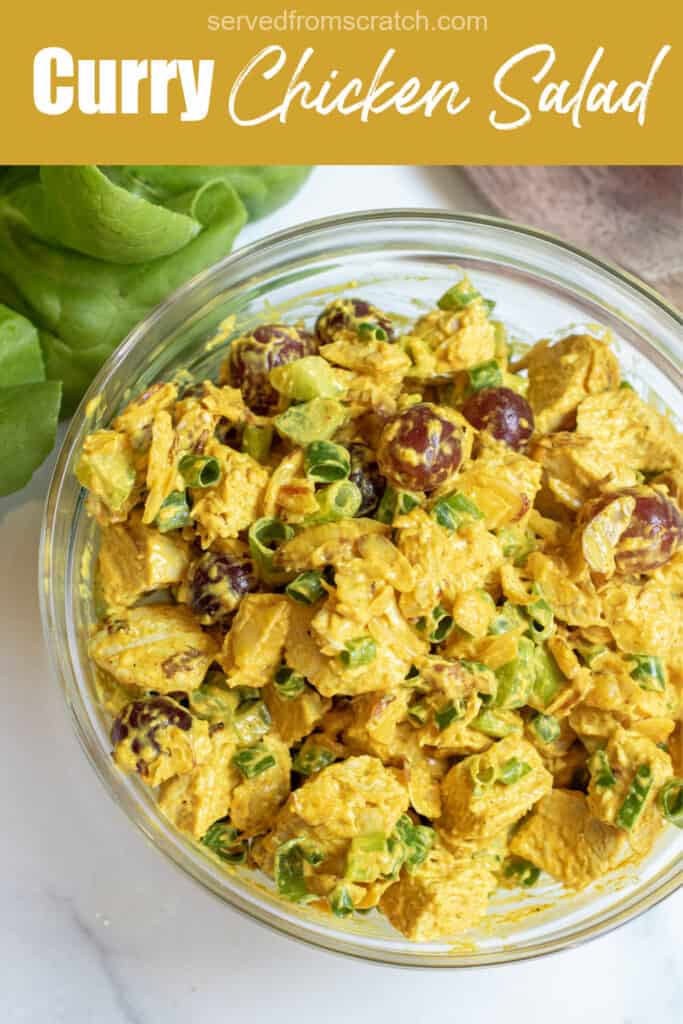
(96,926)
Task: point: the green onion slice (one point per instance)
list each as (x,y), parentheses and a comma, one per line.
(290,858)
(288,683)
(449,713)
(485,375)
(418,712)
(326,462)
(306,588)
(455,510)
(670,799)
(224,840)
(265,537)
(546,727)
(200,470)
(174,513)
(635,798)
(482,773)
(495,725)
(253,761)
(369,331)
(541,619)
(522,870)
(359,652)
(394,504)
(458,297)
(313,759)
(649,672)
(340,901)
(512,771)
(340,500)
(516,544)
(507,619)
(417,841)
(443,624)
(600,769)
(251,721)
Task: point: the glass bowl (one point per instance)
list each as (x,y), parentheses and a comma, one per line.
(401,260)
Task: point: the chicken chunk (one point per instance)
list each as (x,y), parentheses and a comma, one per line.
(253,647)
(134,559)
(563,374)
(444,341)
(616,783)
(297,717)
(355,797)
(155,647)
(502,484)
(630,431)
(562,837)
(486,793)
(444,563)
(444,896)
(234,503)
(256,801)
(194,800)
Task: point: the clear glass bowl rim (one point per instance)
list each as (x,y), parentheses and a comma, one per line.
(47,590)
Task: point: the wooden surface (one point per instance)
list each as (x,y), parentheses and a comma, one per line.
(631,216)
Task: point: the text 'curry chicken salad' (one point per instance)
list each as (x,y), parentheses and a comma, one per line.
(393,617)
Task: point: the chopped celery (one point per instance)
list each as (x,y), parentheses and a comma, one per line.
(305,379)
(494,724)
(366,857)
(316,420)
(516,678)
(256,441)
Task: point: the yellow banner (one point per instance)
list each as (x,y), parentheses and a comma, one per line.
(253,81)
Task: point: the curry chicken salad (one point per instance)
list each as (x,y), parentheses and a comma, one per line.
(395,616)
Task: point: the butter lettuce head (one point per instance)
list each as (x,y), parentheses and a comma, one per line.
(86,252)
